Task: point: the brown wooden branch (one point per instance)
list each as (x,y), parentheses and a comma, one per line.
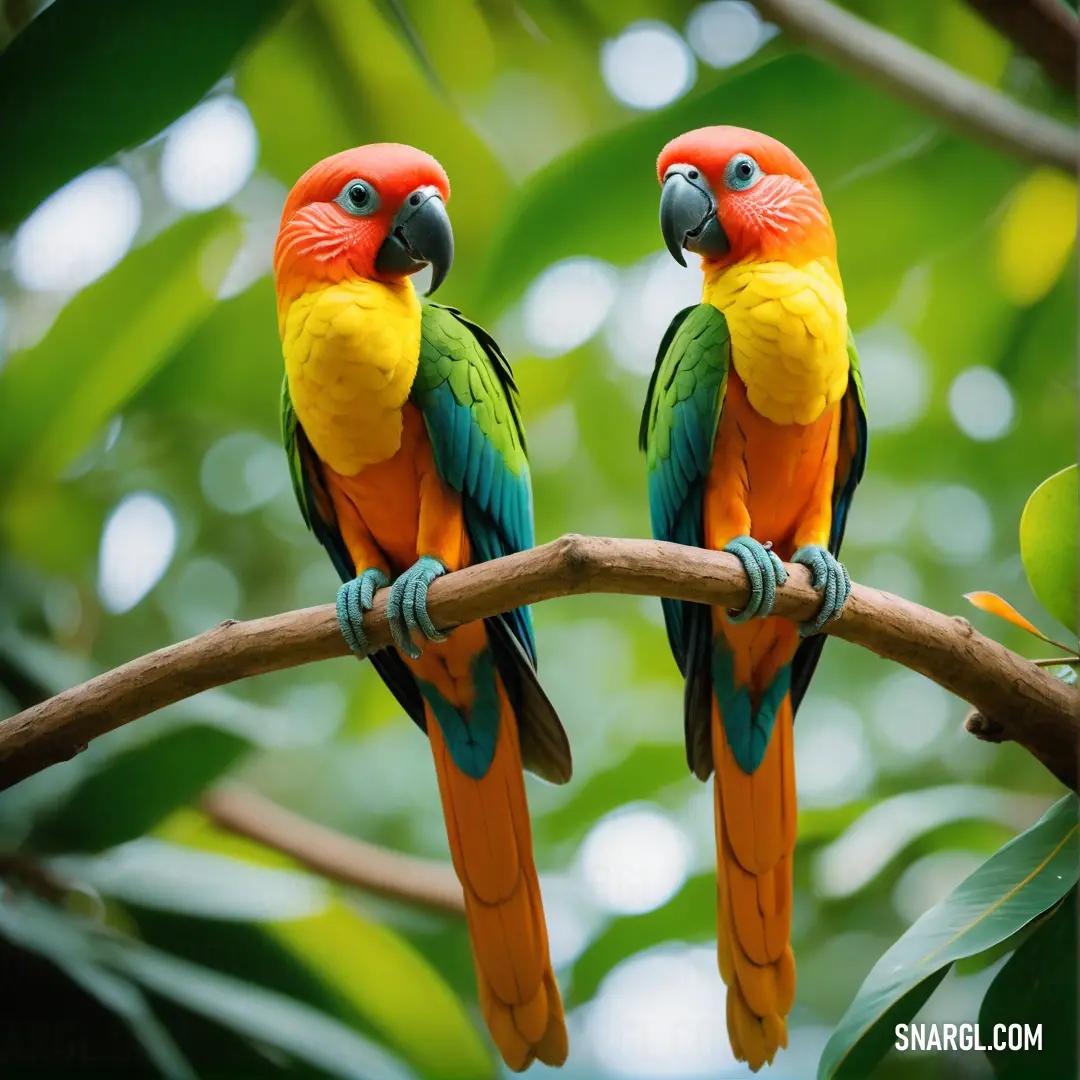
(1032,707)
(922,80)
(424,882)
(1045,29)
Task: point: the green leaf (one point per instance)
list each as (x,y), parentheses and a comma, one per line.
(1048,544)
(1037,986)
(394,987)
(162,876)
(137,788)
(374,972)
(1016,884)
(107,342)
(259,1014)
(66,942)
(93,79)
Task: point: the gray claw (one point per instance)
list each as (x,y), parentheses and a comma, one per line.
(354,599)
(764,570)
(831,577)
(407,607)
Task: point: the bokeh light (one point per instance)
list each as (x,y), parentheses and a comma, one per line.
(553,439)
(567,304)
(958,524)
(648,65)
(634,860)
(725,32)
(909,714)
(203,594)
(78,233)
(661,1014)
(243,471)
(891,572)
(209,154)
(137,545)
(981,403)
(835,765)
(571,920)
(895,376)
(881,513)
(650,294)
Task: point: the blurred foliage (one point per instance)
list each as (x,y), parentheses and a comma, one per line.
(135,938)
(1028,876)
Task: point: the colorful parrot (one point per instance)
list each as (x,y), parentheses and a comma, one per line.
(408,459)
(755,435)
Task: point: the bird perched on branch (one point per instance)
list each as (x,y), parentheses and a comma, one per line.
(755,435)
(408,459)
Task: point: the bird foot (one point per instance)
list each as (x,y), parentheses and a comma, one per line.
(354,599)
(407,607)
(763,569)
(831,577)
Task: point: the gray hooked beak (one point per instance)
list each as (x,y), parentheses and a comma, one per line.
(688,215)
(420,236)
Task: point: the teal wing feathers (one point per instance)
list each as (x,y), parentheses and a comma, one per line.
(678,429)
(465,391)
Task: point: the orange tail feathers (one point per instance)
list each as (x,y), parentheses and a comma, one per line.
(487,824)
(755,840)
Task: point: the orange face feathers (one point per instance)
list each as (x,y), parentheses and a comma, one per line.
(732,194)
(375,211)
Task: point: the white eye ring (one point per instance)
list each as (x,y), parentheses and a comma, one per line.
(742,173)
(358,198)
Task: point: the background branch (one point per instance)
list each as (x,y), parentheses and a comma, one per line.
(1045,29)
(921,79)
(425,882)
(1031,707)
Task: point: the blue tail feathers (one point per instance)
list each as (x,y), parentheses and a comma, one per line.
(470,739)
(747,729)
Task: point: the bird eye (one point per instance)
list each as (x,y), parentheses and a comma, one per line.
(742,172)
(358,197)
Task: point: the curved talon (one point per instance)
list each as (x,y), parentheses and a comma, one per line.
(764,571)
(354,599)
(407,607)
(831,577)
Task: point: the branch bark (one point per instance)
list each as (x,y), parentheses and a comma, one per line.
(424,882)
(1032,708)
(1045,29)
(930,84)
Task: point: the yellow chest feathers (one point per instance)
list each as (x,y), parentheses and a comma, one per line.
(351,352)
(789,332)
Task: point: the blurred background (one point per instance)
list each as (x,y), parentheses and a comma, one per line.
(146,498)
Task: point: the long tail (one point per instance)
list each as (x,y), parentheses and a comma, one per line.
(753,754)
(487,823)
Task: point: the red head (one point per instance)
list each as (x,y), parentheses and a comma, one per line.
(376,211)
(732,194)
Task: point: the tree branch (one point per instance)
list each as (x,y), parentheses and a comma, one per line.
(1032,708)
(425,882)
(926,82)
(1045,29)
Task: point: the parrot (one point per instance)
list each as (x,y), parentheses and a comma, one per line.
(408,458)
(755,436)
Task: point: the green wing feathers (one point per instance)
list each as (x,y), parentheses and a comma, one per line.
(465,390)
